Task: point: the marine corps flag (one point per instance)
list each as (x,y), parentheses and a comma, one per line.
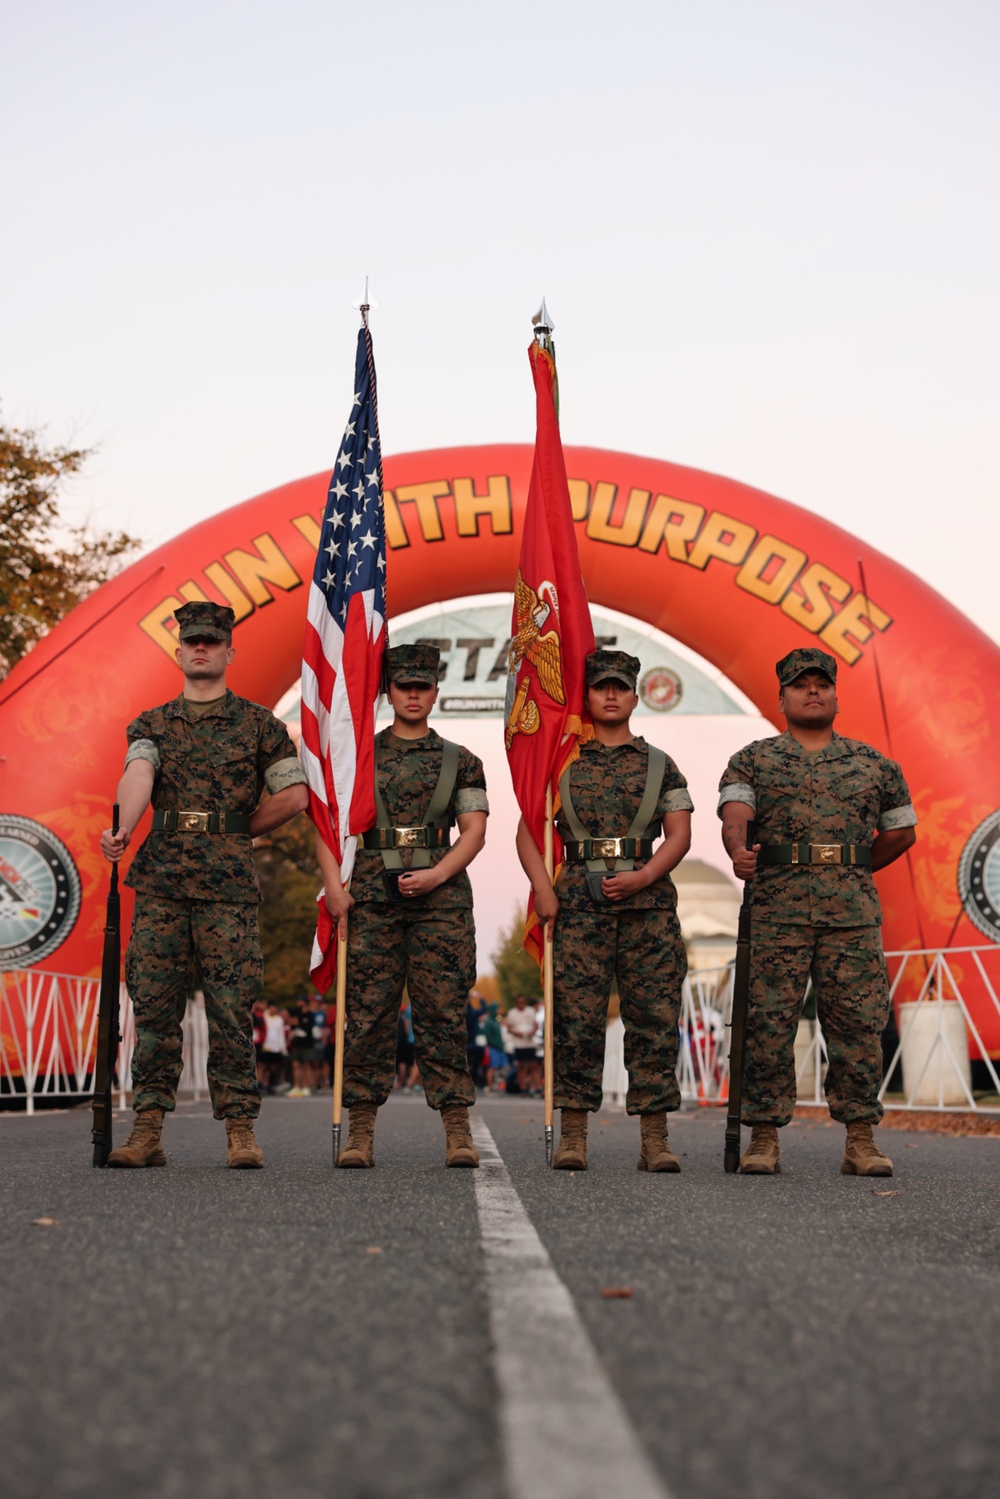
(551,630)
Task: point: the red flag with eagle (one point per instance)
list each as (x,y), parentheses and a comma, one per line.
(551,628)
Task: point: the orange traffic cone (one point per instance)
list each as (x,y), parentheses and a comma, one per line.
(723,1097)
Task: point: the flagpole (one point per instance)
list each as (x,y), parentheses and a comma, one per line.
(547,987)
(340,1019)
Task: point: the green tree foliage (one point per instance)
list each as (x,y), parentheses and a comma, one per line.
(290,879)
(40,579)
(516,971)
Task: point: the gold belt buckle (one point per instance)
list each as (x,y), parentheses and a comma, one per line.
(192,822)
(607,848)
(407,837)
(825,853)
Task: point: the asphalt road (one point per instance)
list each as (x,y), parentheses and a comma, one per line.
(299,1332)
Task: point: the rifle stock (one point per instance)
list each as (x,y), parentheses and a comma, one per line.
(108,1036)
(738,1032)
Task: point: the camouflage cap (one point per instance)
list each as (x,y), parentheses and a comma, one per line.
(619,666)
(216,621)
(796,662)
(413,663)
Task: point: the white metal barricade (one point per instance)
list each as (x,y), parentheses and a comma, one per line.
(48,1039)
(928,1069)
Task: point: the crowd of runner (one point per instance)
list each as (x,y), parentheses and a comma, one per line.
(294,1047)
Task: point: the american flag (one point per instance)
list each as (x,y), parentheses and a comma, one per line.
(345,639)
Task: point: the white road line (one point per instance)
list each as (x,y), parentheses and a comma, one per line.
(565,1432)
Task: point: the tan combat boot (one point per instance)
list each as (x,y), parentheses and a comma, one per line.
(142,1148)
(862,1156)
(458,1147)
(571,1152)
(656,1154)
(242,1150)
(360,1147)
(762,1157)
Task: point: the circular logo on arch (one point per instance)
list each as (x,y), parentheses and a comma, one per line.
(39,892)
(660,689)
(979,877)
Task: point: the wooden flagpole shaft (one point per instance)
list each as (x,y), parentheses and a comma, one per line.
(547,987)
(338,1045)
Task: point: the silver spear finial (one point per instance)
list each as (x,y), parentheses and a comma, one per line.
(543,323)
(365,304)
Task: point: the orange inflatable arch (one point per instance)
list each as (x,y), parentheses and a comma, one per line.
(735,574)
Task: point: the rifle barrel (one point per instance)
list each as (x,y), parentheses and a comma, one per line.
(737,1043)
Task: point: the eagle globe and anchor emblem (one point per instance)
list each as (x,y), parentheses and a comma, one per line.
(39,892)
(532,646)
(979,877)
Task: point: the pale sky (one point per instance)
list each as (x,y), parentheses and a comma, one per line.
(767,231)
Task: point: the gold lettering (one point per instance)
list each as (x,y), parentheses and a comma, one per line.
(600,526)
(425,497)
(724,537)
(395,531)
(234,597)
(674,522)
(156,627)
(255,570)
(859,617)
(309,527)
(579,497)
(812,608)
(495,503)
(768,550)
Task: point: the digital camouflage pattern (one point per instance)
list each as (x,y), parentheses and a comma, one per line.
(606,783)
(177,945)
(432,951)
(808,659)
(412,663)
(216,760)
(201,617)
(618,666)
(816,919)
(852,999)
(644,951)
(428,944)
(636,942)
(408,771)
(842,793)
(197,894)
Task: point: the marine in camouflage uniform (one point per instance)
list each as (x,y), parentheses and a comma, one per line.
(632,936)
(425,938)
(203,760)
(826,810)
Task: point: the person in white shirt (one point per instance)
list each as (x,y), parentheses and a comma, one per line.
(522,1024)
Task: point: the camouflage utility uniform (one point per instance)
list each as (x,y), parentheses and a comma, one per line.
(427,943)
(816,920)
(197,894)
(635,941)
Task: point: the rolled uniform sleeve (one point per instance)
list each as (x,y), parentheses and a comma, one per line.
(737,781)
(143,749)
(470,785)
(896,810)
(277,761)
(674,793)
(282,774)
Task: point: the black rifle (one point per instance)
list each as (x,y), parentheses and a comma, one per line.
(738,1035)
(108,1037)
